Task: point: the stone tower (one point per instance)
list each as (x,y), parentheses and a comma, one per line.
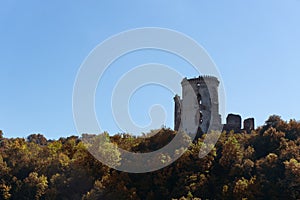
(198,110)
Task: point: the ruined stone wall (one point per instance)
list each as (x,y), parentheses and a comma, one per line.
(199,107)
(177,113)
(249,125)
(198,110)
(234,123)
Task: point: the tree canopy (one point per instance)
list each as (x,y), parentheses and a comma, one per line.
(264,164)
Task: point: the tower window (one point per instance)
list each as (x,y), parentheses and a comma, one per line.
(199,98)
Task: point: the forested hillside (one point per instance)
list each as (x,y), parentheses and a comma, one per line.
(262,165)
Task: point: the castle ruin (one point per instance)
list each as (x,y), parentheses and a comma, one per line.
(197,112)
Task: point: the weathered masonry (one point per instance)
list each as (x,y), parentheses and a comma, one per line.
(197,111)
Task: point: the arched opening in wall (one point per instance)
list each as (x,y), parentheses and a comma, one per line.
(199,99)
(201,117)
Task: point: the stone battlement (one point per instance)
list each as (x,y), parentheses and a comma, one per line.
(201,80)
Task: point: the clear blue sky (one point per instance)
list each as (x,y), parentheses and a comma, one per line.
(255,44)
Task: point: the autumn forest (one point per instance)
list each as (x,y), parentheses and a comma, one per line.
(263,164)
